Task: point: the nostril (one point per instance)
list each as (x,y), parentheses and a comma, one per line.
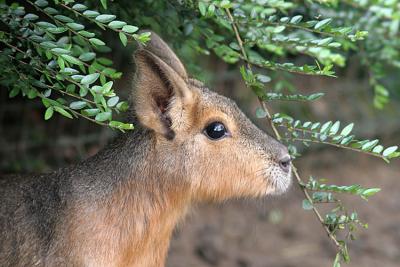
(285,163)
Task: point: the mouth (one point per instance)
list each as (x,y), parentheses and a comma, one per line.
(280,182)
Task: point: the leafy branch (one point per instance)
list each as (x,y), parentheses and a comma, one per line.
(277,134)
(328,133)
(332,222)
(108,21)
(58,55)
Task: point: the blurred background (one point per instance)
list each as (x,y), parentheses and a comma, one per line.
(275,231)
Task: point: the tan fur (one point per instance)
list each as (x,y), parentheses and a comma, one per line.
(238,171)
(120,207)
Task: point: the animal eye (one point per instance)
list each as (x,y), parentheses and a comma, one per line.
(215,130)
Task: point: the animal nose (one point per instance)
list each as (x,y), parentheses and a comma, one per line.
(284,162)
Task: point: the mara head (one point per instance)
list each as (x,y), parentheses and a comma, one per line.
(202,138)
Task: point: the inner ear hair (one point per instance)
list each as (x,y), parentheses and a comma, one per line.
(157,84)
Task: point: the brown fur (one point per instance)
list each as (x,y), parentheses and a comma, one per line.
(120,207)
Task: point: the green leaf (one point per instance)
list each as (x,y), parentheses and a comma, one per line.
(60,51)
(389,151)
(225,4)
(104,61)
(90,112)
(284,19)
(87,34)
(325,127)
(394,155)
(122,106)
(61,63)
(91,13)
(62,112)
(369,145)
(79,7)
(75,26)
(89,79)
(87,56)
(296,19)
(370,192)
(263,78)
(71,59)
(41,3)
(104,3)
(335,128)
(98,89)
(260,113)
(378,149)
(112,101)
(279,29)
(202,8)
(123,38)
(78,105)
(14,92)
(116,24)
(57,30)
(347,130)
(105,18)
(50,11)
(63,18)
(335,45)
(307,205)
(48,45)
(347,140)
(211,10)
(45,25)
(143,37)
(31,17)
(120,125)
(336,263)
(129,29)
(107,86)
(96,41)
(315,125)
(323,23)
(103,116)
(315,96)
(49,113)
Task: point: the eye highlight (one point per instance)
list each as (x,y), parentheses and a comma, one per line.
(215,130)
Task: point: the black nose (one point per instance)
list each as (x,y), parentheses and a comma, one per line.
(284,162)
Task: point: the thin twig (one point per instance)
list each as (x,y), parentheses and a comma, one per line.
(335,145)
(278,136)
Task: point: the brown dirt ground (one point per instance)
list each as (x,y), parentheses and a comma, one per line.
(276,232)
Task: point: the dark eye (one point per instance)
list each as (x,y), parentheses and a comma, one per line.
(215,130)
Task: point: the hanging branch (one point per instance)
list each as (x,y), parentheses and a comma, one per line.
(278,136)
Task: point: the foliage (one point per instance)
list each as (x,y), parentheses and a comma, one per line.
(50,54)
(55,51)
(381,19)
(259,30)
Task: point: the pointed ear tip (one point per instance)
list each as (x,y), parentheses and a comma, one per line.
(158,50)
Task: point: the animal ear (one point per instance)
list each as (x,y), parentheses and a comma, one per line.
(159,48)
(158,87)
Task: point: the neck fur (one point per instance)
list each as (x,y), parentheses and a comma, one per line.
(131,224)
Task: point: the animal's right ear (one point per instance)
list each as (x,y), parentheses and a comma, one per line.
(158,87)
